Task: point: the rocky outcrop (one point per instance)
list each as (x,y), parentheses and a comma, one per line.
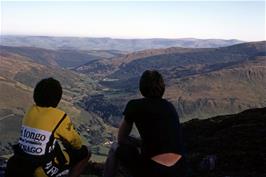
(236,141)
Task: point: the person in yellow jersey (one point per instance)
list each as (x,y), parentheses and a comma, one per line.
(38,153)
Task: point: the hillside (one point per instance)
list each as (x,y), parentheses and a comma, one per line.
(200,82)
(62,57)
(103,68)
(18,76)
(78,43)
(228,90)
(210,58)
(133,64)
(25,71)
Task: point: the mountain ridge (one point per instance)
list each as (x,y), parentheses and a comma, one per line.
(202,85)
(112,65)
(85,43)
(60,58)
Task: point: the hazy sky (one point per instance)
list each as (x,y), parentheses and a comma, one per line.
(227,20)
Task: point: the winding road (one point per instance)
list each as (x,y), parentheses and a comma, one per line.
(7,116)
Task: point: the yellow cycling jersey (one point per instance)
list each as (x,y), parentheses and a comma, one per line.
(38,125)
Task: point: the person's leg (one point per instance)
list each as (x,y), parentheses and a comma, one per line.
(126,155)
(79,167)
(111,164)
(17,166)
(79,160)
(129,157)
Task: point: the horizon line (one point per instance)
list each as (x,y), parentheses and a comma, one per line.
(125,38)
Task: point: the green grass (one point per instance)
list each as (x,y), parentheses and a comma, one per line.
(98,158)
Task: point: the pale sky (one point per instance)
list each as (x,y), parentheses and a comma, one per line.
(224,20)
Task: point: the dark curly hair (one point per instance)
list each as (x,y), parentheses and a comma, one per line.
(151,84)
(48,93)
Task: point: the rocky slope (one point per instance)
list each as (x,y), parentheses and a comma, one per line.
(235,141)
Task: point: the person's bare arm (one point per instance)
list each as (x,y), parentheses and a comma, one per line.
(124,130)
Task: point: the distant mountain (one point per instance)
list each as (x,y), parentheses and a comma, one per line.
(83,43)
(133,64)
(210,58)
(60,58)
(105,67)
(200,82)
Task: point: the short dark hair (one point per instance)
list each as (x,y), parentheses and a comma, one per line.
(151,84)
(47,93)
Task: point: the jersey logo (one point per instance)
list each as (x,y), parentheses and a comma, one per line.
(33,141)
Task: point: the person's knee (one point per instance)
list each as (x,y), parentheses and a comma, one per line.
(127,155)
(78,155)
(113,147)
(88,153)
